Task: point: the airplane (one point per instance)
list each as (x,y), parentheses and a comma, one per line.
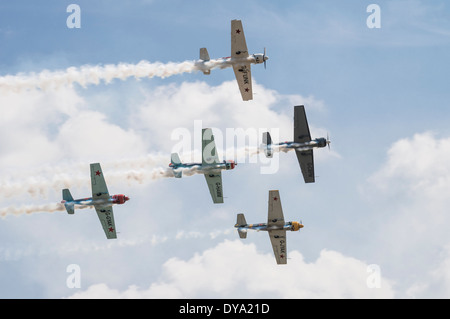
(302,144)
(240,60)
(210,166)
(100,200)
(275,226)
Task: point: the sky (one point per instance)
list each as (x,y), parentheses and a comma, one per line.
(375,219)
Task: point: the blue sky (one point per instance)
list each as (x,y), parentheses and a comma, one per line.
(379,199)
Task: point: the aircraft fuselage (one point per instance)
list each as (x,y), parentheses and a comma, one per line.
(292,226)
(112,200)
(205,168)
(227,62)
(316,143)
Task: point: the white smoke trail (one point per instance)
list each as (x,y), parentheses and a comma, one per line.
(40,183)
(40,187)
(86,75)
(29,209)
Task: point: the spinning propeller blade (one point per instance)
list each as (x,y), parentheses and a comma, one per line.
(328,141)
(264,58)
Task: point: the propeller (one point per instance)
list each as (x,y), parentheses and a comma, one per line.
(328,141)
(264,57)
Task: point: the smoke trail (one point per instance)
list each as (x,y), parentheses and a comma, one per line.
(40,183)
(86,75)
(31,209)
(40,187)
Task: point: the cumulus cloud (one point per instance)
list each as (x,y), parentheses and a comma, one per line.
(233,268)
(55,132)
(47,127)
(174,114)
(71,132)
(417,165)
(410,203)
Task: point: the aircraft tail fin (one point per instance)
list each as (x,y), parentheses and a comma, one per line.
(67,197)
(204,55)
(175,161)
(267,143)
(240,222)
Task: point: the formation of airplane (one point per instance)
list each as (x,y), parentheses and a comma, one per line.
(210,166)
(240,60)
(275,226)
(302,144)
(100,200)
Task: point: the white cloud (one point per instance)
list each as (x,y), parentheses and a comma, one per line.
(416,168)
(233,268)
(40,127)
(172,106)
(89,135)
(80,133)
(60,129)
(410,213)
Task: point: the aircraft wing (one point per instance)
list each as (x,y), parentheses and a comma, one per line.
(301,127)
(302,135)
(214,181)
(209,151)
(99,189)
(244,79)
(238,44)
(239,50)
(106,216)
(275,215)
(306,161)
(278,241)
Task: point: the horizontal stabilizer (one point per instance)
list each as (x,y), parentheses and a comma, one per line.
(240,223)
(267,143)
(175,161)
(177,173)
(67,197)
(242,233)
(70,208)
(240,220)
(204,55)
